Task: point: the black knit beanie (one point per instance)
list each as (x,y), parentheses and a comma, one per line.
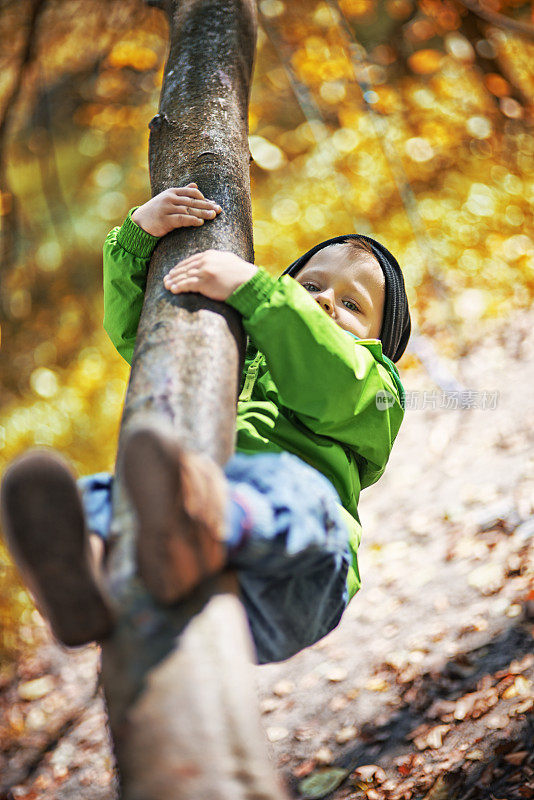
(396,323)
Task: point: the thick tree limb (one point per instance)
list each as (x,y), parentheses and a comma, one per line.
(178,680)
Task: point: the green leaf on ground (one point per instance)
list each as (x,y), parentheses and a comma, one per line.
(322,782)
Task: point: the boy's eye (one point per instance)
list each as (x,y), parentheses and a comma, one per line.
(311,287)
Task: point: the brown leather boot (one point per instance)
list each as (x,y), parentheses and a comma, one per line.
(180,498)
(43,522)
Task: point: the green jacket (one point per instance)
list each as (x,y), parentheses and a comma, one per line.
(309,387)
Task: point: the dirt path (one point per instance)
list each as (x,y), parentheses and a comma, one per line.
(426,688)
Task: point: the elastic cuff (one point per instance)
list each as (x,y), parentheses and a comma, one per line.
(134,239)
(253,292)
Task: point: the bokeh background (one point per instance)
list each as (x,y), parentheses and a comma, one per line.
(407,120)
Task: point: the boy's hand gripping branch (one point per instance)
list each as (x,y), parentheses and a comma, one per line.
(213,273)
(177,207)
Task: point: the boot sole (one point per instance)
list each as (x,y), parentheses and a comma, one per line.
(175,549)
(44,526)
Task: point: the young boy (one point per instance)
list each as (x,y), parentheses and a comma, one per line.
(320,407)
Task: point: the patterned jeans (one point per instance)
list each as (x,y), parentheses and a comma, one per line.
(291,567)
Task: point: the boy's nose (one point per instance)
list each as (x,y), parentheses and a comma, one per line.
(326,302)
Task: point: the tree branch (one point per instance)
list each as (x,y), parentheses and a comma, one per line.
(9,219)
(177,679)
(522,28)
(473,28)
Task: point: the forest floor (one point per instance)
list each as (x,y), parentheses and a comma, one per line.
(426,688)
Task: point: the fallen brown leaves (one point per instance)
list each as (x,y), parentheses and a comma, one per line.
(426,736)
(474,744)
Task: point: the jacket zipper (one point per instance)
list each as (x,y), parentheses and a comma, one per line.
(246,393)
(250,380)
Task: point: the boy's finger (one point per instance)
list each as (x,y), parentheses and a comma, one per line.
(178,270)
(187,191)
(197,202)
(189,284)
(183,220)
(191,217)
(179,275)
(190,192)
(188,260)
(182,269)
(191,202)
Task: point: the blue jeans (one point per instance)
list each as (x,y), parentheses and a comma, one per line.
(291,567)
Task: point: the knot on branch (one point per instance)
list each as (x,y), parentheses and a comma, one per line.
(157,121)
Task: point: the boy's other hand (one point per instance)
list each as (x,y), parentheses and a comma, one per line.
(175,208)
(213,273)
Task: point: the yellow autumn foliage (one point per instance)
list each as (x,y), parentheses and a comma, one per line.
(458,141)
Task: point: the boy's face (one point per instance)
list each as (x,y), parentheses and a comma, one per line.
(349,286)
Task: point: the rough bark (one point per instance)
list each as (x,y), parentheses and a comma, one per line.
(178,681)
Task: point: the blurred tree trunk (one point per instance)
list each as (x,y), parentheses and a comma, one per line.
(487,60)
(178,681)
(8,201)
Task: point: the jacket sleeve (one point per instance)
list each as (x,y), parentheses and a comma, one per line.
(127,253)
(338,386)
